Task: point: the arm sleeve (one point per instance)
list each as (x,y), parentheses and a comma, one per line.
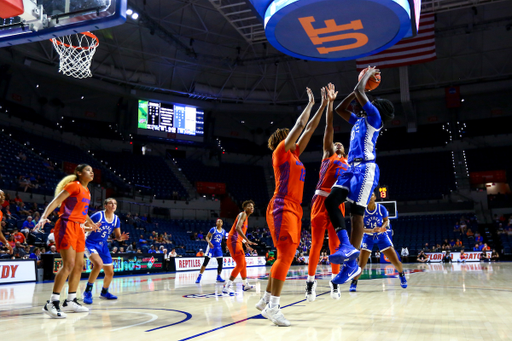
(72,188)
(353,119)
(373,115)
(96,217)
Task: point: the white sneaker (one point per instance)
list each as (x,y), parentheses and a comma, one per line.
(275,315)
(310,291)
(261,304)
(52,309)
(247,287)
(74,307)
(335,291)
(228,289)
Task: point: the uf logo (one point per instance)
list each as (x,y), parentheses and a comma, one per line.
(331,27)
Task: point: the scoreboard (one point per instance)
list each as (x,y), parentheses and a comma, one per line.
(170,118)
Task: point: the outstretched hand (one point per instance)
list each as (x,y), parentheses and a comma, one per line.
(310,96)
(331,92)
(324,97)
(124,236)
(40,224)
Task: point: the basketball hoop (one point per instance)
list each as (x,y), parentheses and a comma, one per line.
(76,52)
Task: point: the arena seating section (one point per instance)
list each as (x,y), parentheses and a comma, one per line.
(242,181)
(149,174)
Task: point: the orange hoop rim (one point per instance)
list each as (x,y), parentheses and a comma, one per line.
(89,34)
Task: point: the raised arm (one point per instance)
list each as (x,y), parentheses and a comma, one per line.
(293,135)
(329,128)
(342,108)
(359,90)
(311,127)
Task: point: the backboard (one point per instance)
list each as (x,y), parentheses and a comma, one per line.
(46,19)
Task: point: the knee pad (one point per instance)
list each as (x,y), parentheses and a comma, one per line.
(206,261)
(357,210)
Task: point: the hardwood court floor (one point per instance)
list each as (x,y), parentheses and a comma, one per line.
(454,302)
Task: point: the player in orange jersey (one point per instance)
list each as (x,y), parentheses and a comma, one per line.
(73,197)
(236,239)
(284,211)
(334,163)
(2,237)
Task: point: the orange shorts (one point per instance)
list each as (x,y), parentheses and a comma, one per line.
(235,249)
(69,234)
(319,215)
(284,221)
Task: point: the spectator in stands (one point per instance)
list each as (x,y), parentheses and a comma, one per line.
(478,238)
(10,240)
(405,254)
(470,234)
(132,248)
(19,250)
(142,242)
(19,237)
(483,257)
(36,254)
(27,226)
(4,252)
(463,227)
(173,253)
(200,253)
(114,251)
(494,256)
(151,249)
(422,257)
(426,248)
(476,248)
(139,251)
(200,236)
(160,249)
(447,258)
(456,227)
(438,248)
(52,250)
(458,244)
(121,249)
(485,247)
(452,243)
(301,260)
(445,244)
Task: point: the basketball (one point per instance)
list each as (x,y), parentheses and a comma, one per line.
(372,83)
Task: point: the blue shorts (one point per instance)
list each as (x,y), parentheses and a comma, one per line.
(383,241)
(216,252)
(101,249)
(360,180)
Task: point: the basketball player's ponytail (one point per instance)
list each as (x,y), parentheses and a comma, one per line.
(70,178)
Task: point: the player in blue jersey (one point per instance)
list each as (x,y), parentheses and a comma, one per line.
(377,230)
(358,182)
(96,249)
(214,250)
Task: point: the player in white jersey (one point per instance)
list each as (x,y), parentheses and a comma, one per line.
(377,230)
(214,250)
(96,249)
(358,182)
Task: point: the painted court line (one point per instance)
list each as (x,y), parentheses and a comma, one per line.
(249,318)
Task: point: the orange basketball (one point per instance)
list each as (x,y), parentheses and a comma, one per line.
(372,83)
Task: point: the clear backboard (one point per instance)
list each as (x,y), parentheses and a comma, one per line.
(46,19)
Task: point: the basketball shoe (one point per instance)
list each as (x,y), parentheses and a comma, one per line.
(353,286)
(261,304)
(87,297)
(219,279)
(275,315)
(335,291)
(247,286)
(74,307)
(52,309)
(310,291)
(403,280)
(198,280)
(349,270)
(345,251)
(107,296)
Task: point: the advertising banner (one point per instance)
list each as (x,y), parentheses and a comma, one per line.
(436,257)
(17,271)
(195,263)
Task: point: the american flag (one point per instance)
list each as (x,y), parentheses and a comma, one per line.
(420,49)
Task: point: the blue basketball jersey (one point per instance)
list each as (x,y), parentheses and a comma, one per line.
(363,136)
(217,237)
(376,217)
(104,230)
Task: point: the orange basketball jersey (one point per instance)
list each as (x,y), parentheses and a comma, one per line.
(330,169)
(233,236)
(76,206)
(289,173)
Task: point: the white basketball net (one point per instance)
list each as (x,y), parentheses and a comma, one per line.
(76,52)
